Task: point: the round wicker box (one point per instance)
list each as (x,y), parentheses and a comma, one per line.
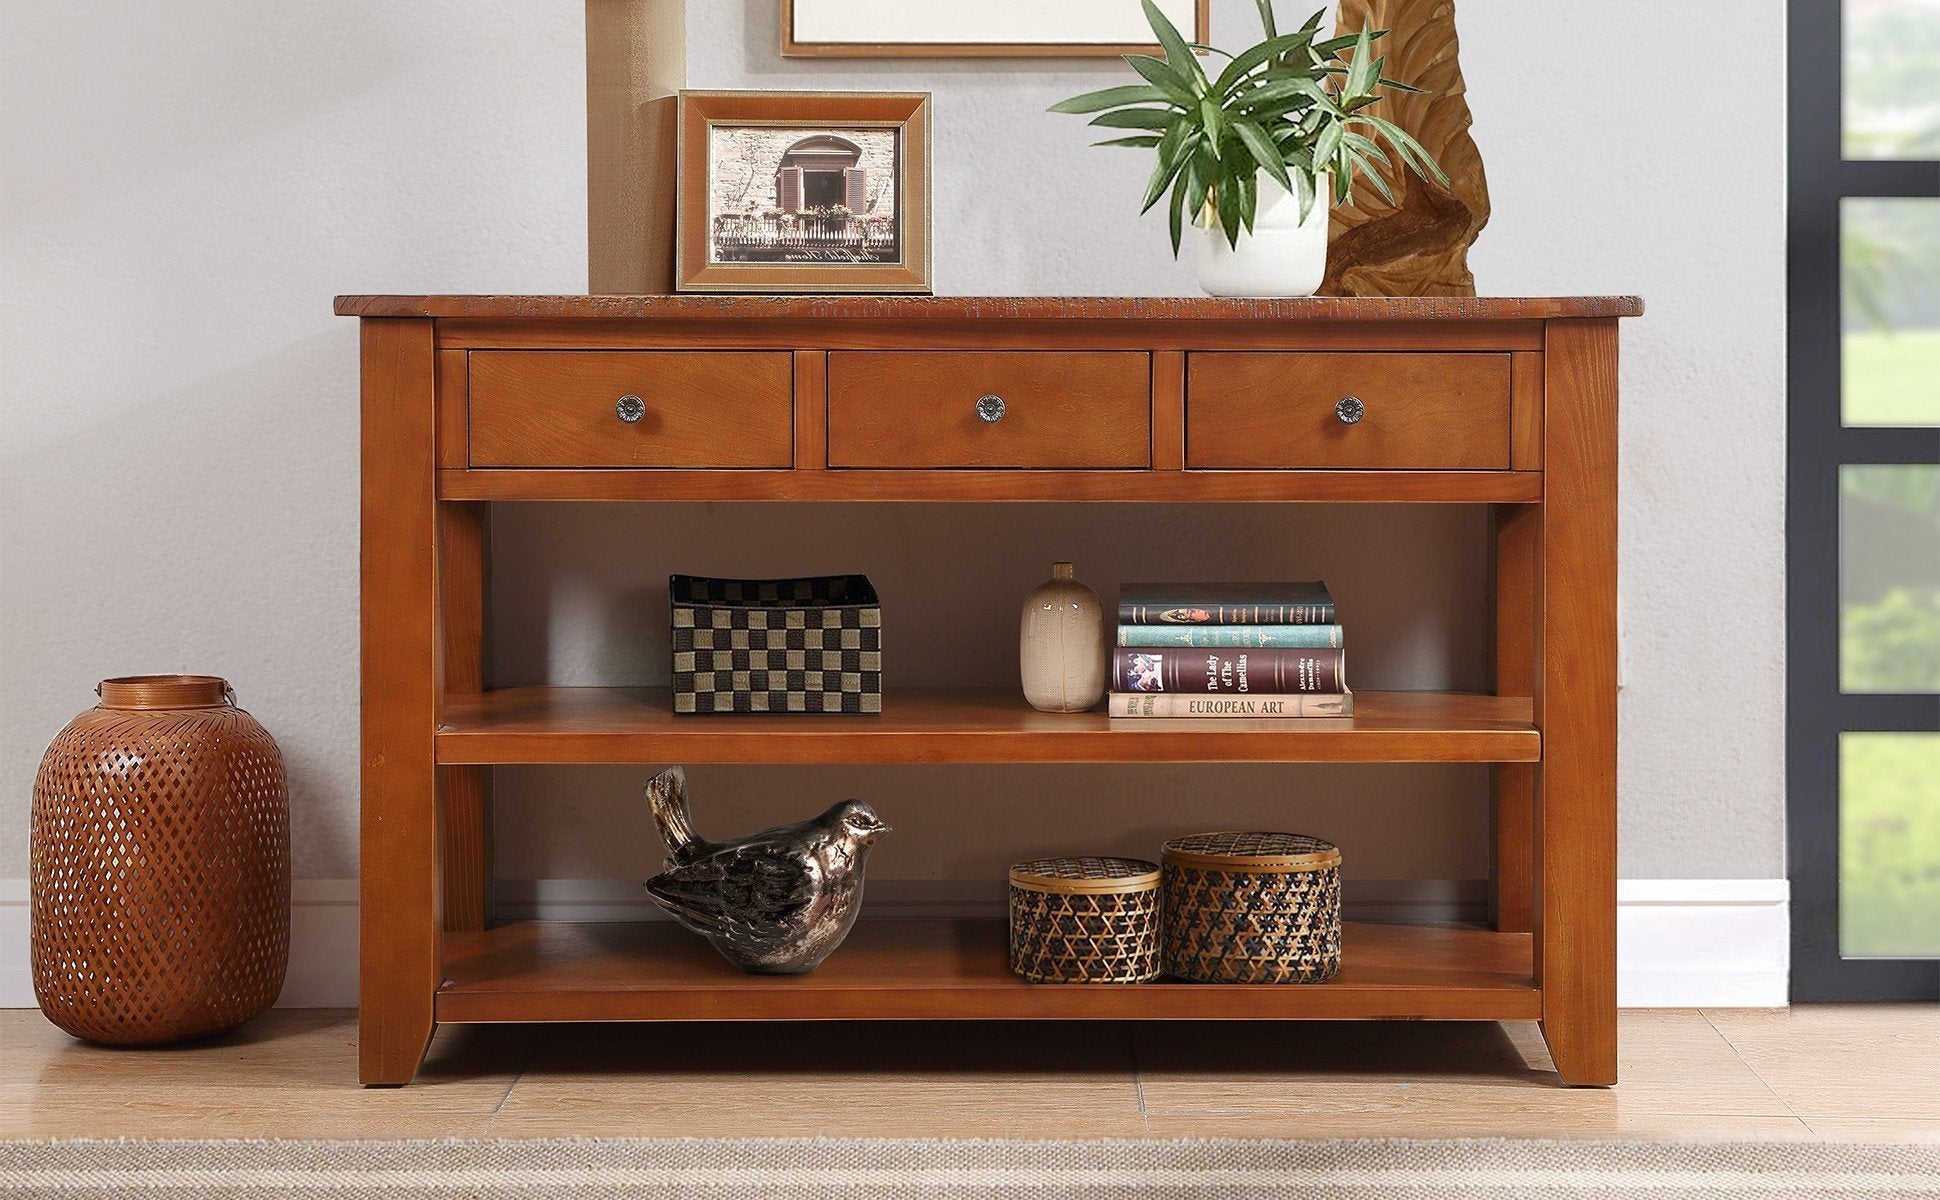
(1085,920)
(1252,908)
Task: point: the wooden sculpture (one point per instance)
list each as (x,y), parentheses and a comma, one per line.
(1417,245)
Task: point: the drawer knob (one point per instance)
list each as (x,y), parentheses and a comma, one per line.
(990,409)
(1350,410)
(630,409)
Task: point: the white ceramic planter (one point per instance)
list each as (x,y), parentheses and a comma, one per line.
(1282,256)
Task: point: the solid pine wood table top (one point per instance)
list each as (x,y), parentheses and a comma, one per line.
(1026,308)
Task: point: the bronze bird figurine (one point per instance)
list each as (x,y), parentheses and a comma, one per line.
(775,902)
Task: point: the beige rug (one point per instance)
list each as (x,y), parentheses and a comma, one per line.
(966,1170)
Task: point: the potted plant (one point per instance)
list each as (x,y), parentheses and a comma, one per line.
(1252,154)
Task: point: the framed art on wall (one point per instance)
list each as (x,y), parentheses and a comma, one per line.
(987,29)
(803,192)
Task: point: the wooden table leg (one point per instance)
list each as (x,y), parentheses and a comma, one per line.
(465,793)
(400,936)
(1576,705)
(1515,530)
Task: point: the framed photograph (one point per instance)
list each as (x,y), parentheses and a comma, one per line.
(984,29)
(803,192)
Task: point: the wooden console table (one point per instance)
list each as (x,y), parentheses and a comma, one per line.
(471,399)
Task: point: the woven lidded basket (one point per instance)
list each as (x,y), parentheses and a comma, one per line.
(1085,920)
(160,862)
(776,645)
(1252,908)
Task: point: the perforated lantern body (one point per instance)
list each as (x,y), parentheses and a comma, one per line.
(160,851)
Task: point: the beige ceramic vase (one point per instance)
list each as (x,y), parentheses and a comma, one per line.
(1062,646)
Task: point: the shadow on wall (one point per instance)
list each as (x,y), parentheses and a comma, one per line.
(580,597)
(579,591)
(972,822)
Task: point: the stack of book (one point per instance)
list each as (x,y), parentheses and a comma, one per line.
(1239,650)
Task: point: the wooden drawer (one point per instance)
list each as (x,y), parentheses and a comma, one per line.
(1446,412)
(559,408)
(1079,410)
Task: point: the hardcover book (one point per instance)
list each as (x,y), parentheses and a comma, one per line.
(1225,604)
(1135,705)
(1160,669)
(1291,637)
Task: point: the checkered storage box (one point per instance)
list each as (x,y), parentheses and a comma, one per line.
(776,645)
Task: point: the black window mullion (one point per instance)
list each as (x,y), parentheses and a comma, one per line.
(1866,445)
(1888,178)
(1860,712)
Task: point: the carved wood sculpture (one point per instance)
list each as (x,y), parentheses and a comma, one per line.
(1418,245)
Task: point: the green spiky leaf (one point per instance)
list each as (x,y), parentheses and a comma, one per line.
(1263,151)
(1333,46)
(1111,97)
(1175,215)
(1360,71)
(1249,60)
(1134,118)
(1266,17)
(1173,154)
(1178,54)
(1303,181)
(1175,86)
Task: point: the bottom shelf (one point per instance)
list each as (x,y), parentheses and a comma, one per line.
(923,970)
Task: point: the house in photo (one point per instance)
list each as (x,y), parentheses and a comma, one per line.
(789,195)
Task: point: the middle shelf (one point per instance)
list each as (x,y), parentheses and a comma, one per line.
(637,725)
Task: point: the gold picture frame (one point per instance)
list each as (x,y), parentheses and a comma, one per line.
(803,192)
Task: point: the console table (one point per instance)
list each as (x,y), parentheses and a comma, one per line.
(1509,403)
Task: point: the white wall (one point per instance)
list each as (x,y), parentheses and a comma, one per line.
(186,185)
(1589,197)
(183,187)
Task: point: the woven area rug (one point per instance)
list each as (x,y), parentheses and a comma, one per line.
(966,1170)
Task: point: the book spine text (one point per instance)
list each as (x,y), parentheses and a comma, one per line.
(1129,705)
(1159,613)
(1298,637)
(1210,672)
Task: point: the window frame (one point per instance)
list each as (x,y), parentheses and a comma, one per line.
(1819,177)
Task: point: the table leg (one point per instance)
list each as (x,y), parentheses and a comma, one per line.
(400,925)
(1576,704)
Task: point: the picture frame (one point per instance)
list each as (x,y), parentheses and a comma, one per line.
(986,29)
(803,192)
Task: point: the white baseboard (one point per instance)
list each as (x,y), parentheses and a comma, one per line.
(1681,943)
(1710,943)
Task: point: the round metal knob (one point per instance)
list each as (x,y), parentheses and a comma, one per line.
(1350,410)
(630,409)
(990,409)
